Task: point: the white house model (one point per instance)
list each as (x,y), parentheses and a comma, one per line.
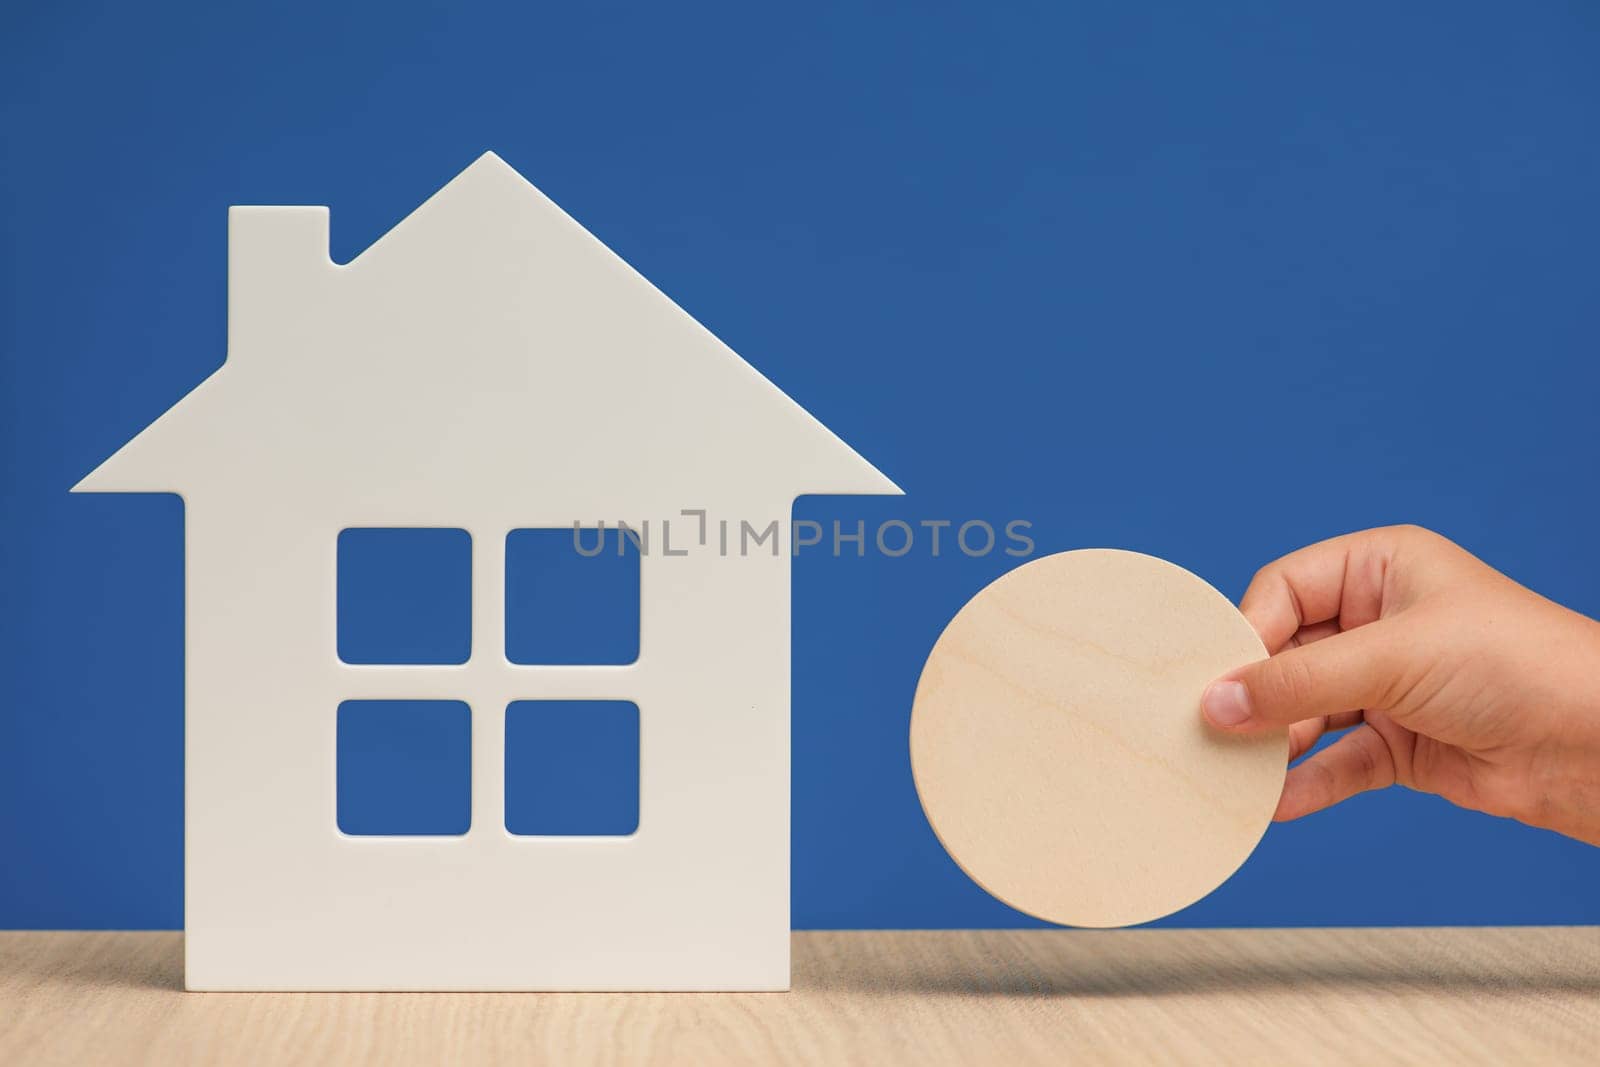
(488,366)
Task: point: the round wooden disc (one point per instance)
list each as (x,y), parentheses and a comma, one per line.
(1058,748)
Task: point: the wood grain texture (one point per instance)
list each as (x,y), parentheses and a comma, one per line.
(1058,747)
(1506,995)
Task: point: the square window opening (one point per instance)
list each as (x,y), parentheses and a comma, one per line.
(572,768)
(572,597)
(404,767)
(404,595)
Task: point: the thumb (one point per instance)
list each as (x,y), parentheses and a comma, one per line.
(1350,671)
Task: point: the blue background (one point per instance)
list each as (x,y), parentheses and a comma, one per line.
(1207,281)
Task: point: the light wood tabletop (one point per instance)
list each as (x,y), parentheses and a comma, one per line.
(1504,995)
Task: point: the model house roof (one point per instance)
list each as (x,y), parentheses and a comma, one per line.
(486,332)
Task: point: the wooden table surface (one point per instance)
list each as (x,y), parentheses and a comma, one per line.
(1519,995)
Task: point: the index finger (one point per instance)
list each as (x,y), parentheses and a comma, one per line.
(1338,580)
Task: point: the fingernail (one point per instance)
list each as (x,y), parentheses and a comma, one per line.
(1226,704)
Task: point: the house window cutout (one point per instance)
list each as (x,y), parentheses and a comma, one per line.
(572,597)
(404,767)
(404,595)
(572,768)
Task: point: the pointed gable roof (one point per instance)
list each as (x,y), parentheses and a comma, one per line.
(488,328)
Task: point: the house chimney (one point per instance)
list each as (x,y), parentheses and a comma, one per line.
(276,255)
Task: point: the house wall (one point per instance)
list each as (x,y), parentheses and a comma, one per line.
(278,898)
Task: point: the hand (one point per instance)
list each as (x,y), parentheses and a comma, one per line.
(1451,678)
